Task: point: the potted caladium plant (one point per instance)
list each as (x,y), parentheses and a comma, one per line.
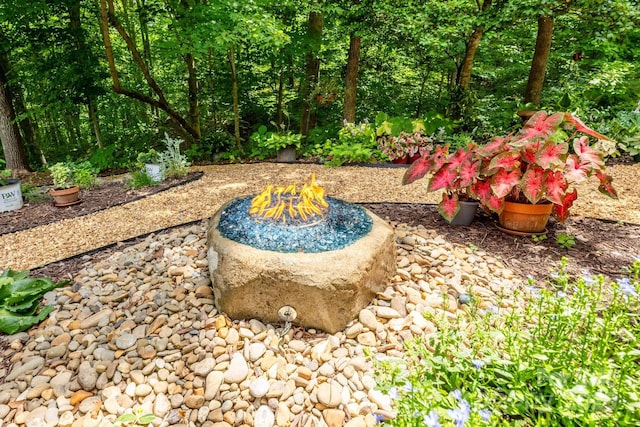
(456,173)
(540,165)
(535,168)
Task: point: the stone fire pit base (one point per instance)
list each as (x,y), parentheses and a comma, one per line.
(327,289)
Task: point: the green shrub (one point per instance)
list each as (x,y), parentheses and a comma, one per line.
(20,300)
(140,179)
(176,164)
(569,357)
(68,174)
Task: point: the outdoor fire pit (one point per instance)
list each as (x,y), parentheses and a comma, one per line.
(321,256)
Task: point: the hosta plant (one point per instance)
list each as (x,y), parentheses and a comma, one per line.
(541,163)
(20,300)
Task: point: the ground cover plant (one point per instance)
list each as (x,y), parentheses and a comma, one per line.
(20,298)
(568,358)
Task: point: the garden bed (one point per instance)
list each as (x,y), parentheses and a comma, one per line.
(110,193)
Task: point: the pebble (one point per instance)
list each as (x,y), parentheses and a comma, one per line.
(125,341)
(238,369)
(87,376)
(330,394)
(212,384)
(139,330)
(264,417)
(259,387)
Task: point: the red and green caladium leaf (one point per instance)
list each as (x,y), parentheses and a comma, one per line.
(581,127)
(587,154)
(497,145)
(561,211)
(506,161)
(575,170)
(443,178)
(503,182)
(532,184)
(481,190)
(540,126)
(469,171)
(552,155)
(458,158)
(555,187)
(449,206)
(605,185)
(417,170)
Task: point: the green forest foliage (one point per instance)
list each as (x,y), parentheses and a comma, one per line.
(54,55)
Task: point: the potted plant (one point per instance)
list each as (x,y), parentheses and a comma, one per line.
(68,178)
(402,139)
(284,145)
(150,161)
(10,192)
(536,168)
(455,173)
(174,163)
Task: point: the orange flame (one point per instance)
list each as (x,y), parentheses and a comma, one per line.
(285,204)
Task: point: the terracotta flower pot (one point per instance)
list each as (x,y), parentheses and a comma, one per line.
(66,196)
(525,217)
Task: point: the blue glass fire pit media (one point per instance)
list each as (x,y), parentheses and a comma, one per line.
(345,223)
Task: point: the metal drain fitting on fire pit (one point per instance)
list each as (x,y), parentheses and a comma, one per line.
(328,289)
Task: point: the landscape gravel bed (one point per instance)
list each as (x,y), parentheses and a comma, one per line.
(138,330)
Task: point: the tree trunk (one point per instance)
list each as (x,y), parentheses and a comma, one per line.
(28,126)
(469,54)
(350,81)
(279,100)
(93,116)
(236,107)
(423,83)
(194,108)
(312,69)
(12,145)
(533,92)
(76,30)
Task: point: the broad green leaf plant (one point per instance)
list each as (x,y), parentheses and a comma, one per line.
(20,300)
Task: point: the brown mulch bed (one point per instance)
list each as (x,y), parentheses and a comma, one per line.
(107,195)
(602,246)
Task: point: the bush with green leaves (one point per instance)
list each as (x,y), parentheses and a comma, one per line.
(267,143)
(140,179)
(569,357)
(68,174)
(175,163)
(20,300)
(356,143)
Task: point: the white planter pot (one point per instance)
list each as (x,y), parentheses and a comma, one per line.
(10,196)
(155,171)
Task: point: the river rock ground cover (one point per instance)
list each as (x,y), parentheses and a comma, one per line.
(137,329)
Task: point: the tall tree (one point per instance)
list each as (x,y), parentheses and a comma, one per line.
(533,92)
(471,47)
(84,56)
(350,80)
(12,144)
(312,68)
